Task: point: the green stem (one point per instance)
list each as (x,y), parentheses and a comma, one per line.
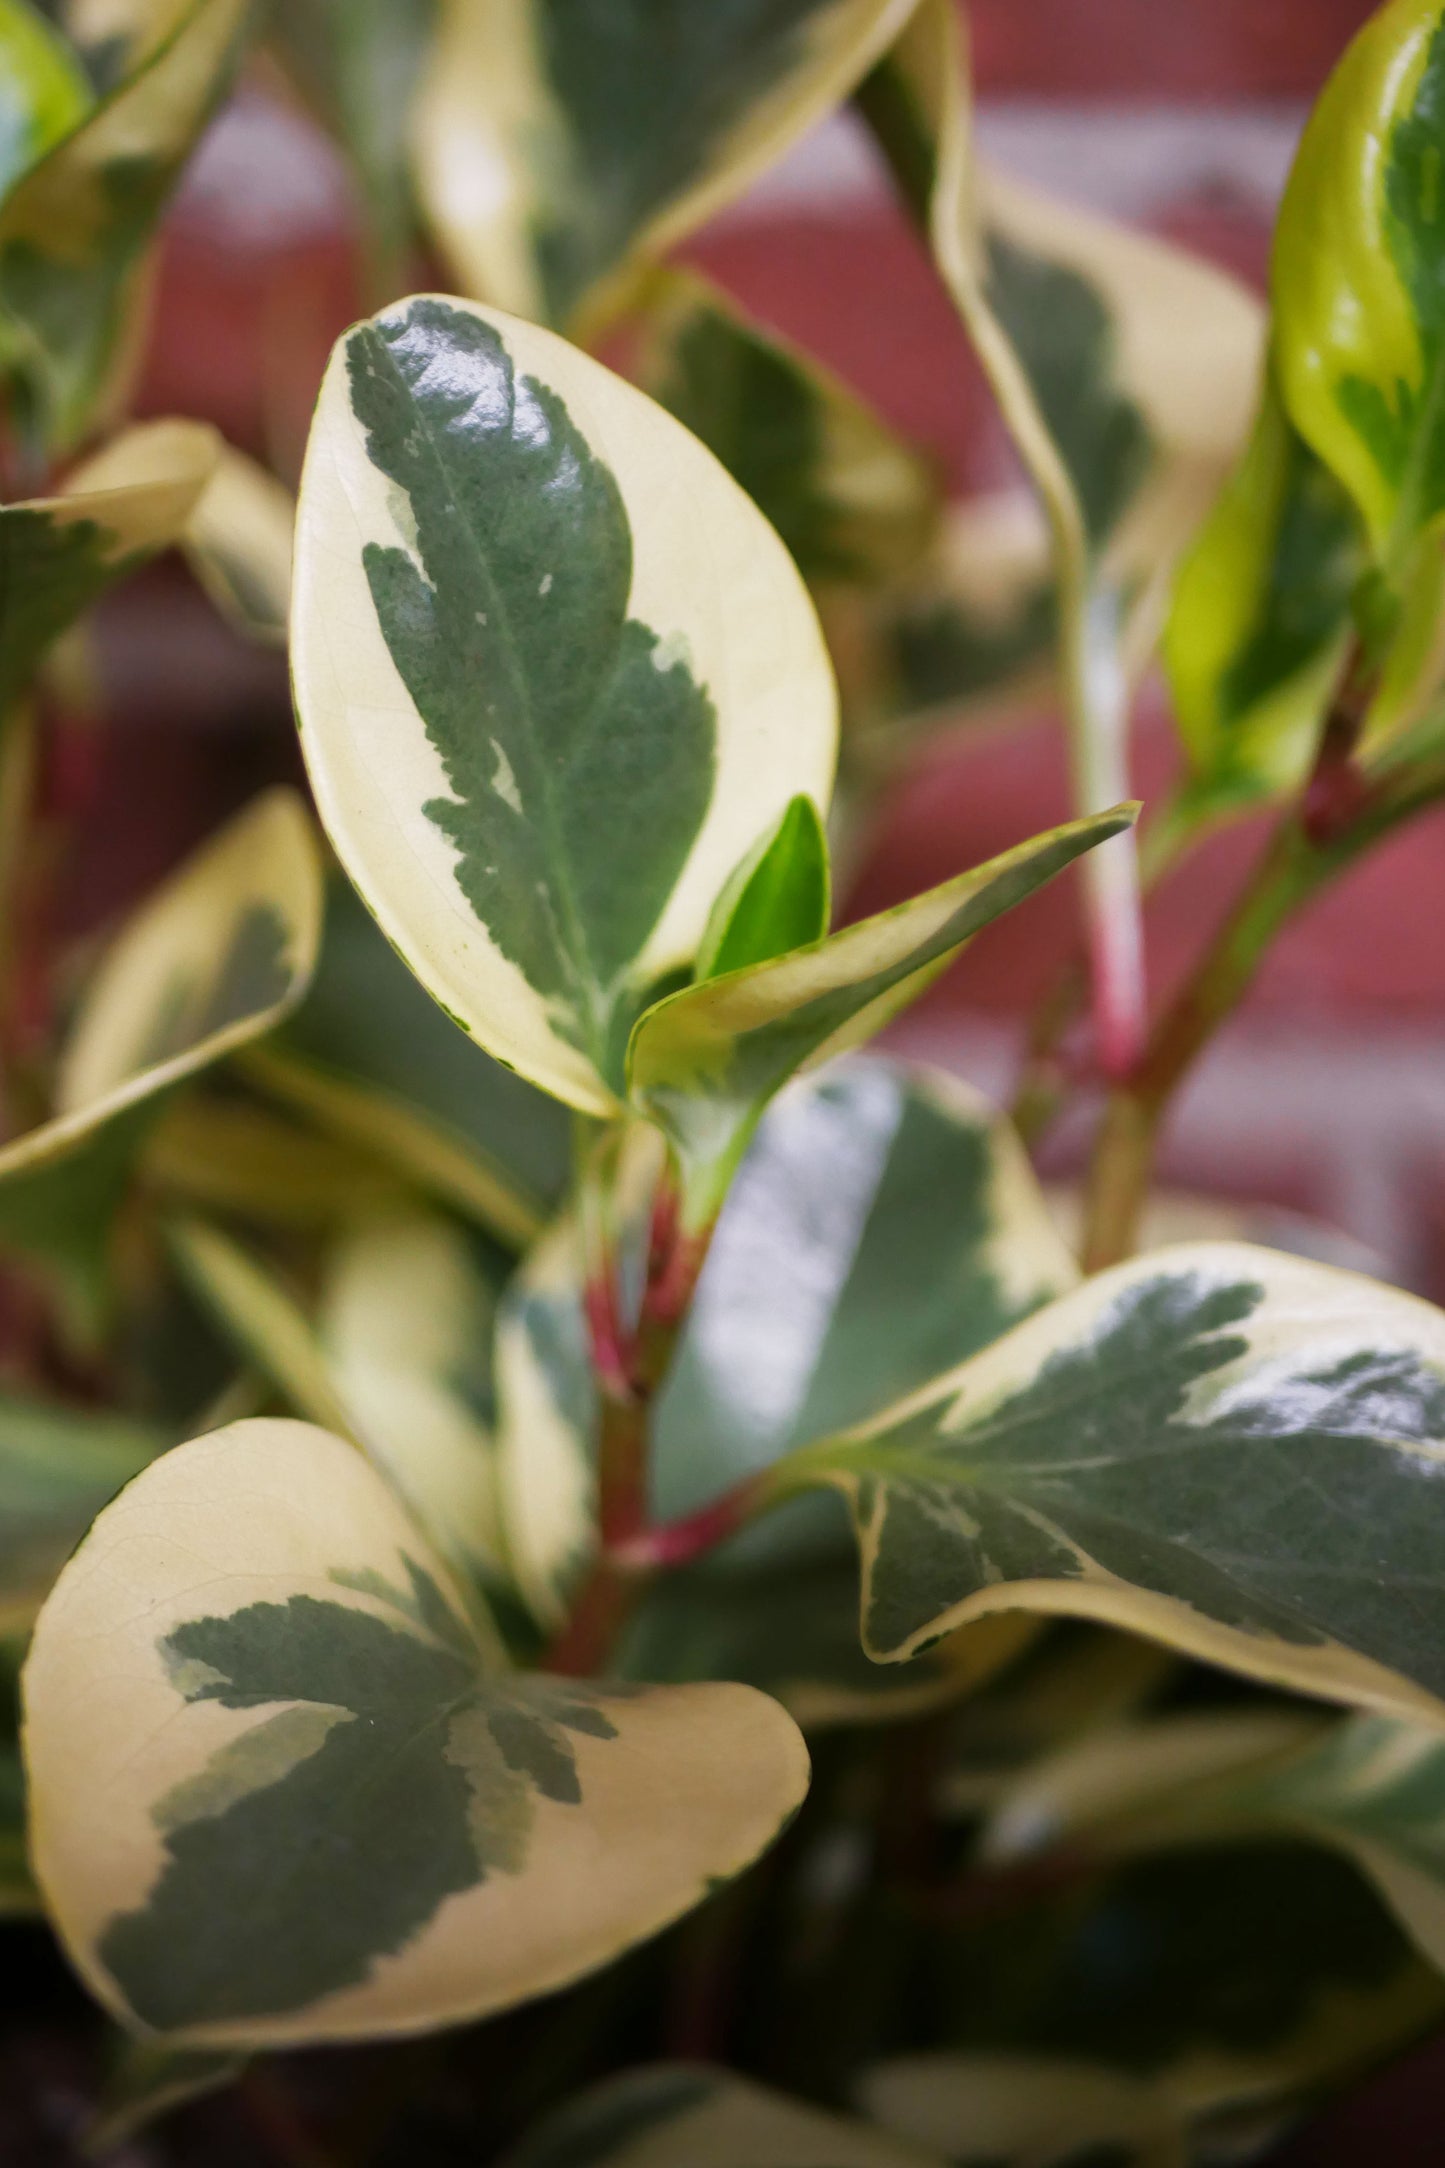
(1294,868)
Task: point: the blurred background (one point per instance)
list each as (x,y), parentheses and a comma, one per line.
(1327,1095)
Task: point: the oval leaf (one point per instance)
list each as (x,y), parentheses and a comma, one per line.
(705,1062)
(299,1800)
(214,959)
(554,145)
(1225,1449)
(777,897)
(554,673)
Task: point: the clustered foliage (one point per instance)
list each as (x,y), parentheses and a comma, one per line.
(475,1597)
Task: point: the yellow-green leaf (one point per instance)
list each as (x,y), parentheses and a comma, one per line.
(214,959)
(238,540)
(300,1799)
(1223,1448)
(556,144)
(705,1062)
(74,230)
(43,89)
(59,554)
(851,500)
(554,674)
(264,1319)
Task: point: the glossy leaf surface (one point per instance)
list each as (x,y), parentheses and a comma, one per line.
(554,674)
(213,960)
(705,1062)
(1223,1448)
(74,230)
(301,1800)
(556,141)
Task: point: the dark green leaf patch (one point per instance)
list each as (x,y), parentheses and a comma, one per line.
(397,1771)
(578,745)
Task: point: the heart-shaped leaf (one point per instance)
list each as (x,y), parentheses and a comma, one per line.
(43,89)
(554,672)
(704,1063)
(1226,1449)
(213,960)
(117,510)
(301,1798)
(852,502)
(74,229)
(556,144)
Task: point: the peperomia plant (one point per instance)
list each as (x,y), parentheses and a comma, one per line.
(544,1478)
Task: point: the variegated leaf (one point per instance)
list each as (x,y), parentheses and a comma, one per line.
(885,1222)
(1260,621)
(681,2113)
(214,959)
(393,1354)
(1226,1449)
(238,540)
(975,633)
(43,90)
(557,144)
(704,1062)
(1360,324)
(1020,2111)
(58,1466)
(61,553)
(371,1058)
(1125,372)
(217,1151)
(852,502)
(555,675)
(74,229)
(301,1798)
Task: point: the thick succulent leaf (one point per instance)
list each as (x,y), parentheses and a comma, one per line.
(850,499)
(554,673)
(704,1062)
(238,540)
(1223,1448)
(73,231)
(214,959)
(359,63)
(778,897)
(557,142)
(58,1467)
(43,90)
(59,554)
(300,1800)
(1359,305)
(679,2113)
(884,1224)
(405,1321)
(1260,619)
(371,1057)
(1019,2111)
